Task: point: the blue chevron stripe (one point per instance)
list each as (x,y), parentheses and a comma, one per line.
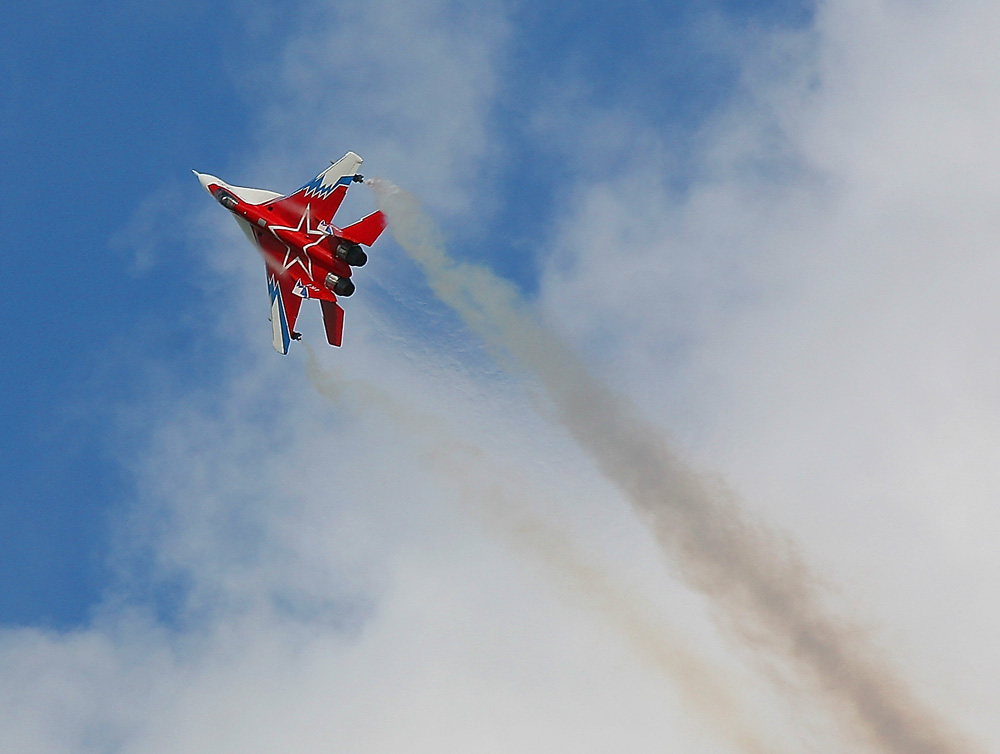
(318,187)
(274,291)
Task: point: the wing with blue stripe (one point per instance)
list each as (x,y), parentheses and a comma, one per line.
(284,310)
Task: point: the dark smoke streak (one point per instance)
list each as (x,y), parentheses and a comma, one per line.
(706,692)
(762,590)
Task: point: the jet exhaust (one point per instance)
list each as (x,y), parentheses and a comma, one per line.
(339,285)
(762,591)
(352,254)
(506,510)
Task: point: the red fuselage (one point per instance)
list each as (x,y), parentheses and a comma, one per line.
(292,246)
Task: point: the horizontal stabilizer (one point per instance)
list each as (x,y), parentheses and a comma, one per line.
(366,230)
(333,321)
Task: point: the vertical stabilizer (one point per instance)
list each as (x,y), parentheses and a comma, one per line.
(333,321)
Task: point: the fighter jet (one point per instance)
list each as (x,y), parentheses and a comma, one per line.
(305,254)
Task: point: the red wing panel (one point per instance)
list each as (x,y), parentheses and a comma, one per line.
(324,193)
(333,321)
(366,230)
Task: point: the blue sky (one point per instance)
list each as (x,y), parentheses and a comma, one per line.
(769,226)
(112,111)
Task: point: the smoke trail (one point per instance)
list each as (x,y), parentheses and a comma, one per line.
(760,587)
(704,691)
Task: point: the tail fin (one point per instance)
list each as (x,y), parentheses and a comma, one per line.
(324,193)
(333,321)
(366,230)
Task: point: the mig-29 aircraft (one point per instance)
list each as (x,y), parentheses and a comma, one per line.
(306,255)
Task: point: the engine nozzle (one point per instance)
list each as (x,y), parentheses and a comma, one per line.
(340,286)
(351,253)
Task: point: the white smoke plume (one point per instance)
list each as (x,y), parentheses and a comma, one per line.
(705,691)
(760,587)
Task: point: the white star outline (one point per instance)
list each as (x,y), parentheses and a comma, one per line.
(291,258)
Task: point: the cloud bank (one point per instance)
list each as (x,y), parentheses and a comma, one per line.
(762,588)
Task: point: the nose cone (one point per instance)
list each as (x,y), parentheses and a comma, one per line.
(207,180)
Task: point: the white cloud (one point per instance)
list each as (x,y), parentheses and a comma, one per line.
(410,86)
(816,318)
